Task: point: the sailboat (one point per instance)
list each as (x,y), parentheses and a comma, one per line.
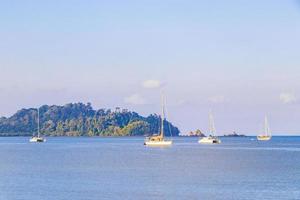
(37,138)
(159,140)
(267,132)
(211,139)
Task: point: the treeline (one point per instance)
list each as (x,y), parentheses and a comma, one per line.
(80,119)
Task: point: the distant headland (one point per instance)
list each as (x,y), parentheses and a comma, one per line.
(79,119)
(199,133)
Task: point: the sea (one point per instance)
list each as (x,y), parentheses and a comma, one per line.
(82,168)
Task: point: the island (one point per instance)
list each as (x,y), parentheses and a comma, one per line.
(196,133)
(234,134)
(79,119)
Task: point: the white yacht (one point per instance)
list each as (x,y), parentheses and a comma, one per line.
(212,138)
(266,135)
(159,140)
(37,138)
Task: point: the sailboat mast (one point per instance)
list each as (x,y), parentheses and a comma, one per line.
(38,120)
(162,116)
(267,128)
(212,129)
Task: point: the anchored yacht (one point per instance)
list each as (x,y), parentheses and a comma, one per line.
(159,140)
(266,135)
(212,138)
(37,138)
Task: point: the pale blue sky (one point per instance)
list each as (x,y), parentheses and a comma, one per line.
(237,58)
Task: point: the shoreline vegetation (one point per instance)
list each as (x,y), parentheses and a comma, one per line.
(78,119)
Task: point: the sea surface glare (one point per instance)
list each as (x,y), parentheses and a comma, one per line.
(66,168)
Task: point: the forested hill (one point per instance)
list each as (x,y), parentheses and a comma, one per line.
(80,119)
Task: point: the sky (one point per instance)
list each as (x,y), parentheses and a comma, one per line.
(238,59)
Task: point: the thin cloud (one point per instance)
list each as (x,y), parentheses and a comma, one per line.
(135,99)
(217,99)
(152,84)
(288,98)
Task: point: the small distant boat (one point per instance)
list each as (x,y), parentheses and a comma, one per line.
(38,138)
(212,138)
(267,132)
(159,140)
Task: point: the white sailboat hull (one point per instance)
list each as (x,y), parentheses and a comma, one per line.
(37,139)
(264,137)
(158,143)
(209,140)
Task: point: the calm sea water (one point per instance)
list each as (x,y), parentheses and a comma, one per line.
(122,168)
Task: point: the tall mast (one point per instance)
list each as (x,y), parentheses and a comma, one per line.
(162,115)
(38,120)
(267,128)
(212,128)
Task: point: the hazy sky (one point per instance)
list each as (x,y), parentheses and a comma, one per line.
(240,59)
